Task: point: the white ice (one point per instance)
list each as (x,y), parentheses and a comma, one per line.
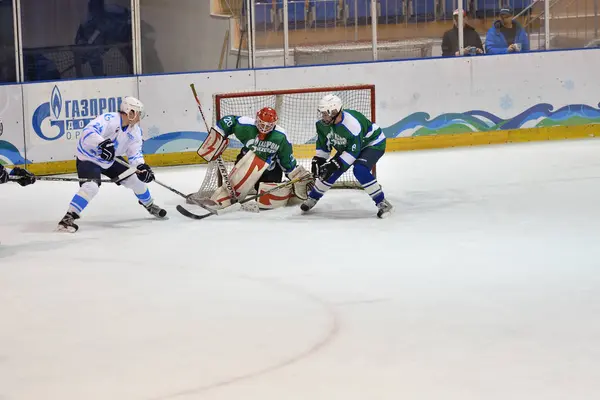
(485,284)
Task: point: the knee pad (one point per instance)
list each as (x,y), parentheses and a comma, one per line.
(90,188)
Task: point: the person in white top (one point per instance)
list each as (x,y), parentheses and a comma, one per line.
(108,136)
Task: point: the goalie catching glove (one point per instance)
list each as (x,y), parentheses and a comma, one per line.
(303,187)
(214,145)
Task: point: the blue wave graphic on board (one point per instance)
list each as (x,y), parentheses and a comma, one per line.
(420,124)
(179,141)
(540,115)
(9,154)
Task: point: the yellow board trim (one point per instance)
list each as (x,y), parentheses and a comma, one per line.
(394,144)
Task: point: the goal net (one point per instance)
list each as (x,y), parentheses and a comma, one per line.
(297,112)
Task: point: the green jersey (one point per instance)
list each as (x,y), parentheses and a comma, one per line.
(349,138)
(275,147)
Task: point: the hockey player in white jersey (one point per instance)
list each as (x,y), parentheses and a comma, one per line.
(108,136)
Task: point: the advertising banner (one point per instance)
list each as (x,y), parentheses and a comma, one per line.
(56,113)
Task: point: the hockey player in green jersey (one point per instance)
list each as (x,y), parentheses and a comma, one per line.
(265,156)
(358,142)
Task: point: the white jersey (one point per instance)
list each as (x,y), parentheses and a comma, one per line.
(127,142)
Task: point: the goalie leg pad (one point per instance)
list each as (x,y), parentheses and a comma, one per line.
(214,145)
(243,177)
(275,199)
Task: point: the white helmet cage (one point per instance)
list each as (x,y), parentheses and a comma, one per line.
(329,108)
(132,104)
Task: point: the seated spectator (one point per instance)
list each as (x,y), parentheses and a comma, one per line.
(471,39)
(506,35)
(107,26)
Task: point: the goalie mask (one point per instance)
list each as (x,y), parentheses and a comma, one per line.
(130,104)
(329,108)
(266,119)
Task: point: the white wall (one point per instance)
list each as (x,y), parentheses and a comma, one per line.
(193,43)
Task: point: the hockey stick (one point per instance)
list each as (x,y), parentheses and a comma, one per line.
(59,179)
(177,192)
(219,160)
(238,205)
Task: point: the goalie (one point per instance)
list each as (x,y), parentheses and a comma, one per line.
(265,156)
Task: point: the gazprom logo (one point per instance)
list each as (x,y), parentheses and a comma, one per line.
(56,102)
(67,117)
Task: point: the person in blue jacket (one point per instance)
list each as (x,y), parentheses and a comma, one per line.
(506,36)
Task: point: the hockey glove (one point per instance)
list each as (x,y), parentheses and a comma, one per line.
(25,177)
(3,174)
(107,150)
(316,164)
(329,168)
(145,173)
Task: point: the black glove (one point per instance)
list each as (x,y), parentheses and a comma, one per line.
(329,168)
(3,174)
(107,149)
(146,174)
(241,154)
(25,177)
(316,164)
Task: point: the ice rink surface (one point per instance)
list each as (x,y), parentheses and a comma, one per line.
(484,284)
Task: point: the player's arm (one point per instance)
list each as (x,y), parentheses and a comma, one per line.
(292,170)
(93,144)
(345,157)
(286,157)
(350,153)
(135,156)
(323,150)
(226,125)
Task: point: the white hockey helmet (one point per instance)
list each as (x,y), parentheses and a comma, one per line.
(329,108)
(132,104)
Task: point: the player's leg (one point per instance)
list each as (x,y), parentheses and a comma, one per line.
(319,189)
(139,188)
(362,171)
(87,191)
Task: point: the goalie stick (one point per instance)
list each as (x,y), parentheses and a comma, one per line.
(238,205)
(219,160)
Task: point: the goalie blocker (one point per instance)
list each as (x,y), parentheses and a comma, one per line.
(214,145)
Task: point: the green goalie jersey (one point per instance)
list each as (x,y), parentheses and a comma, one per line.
(349,138)
(275,148)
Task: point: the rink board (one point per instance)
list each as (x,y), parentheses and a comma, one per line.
(419,104)
(393,144)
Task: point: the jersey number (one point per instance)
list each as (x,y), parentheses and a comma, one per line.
(228,121)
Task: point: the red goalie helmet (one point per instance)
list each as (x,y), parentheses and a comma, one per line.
(266,119)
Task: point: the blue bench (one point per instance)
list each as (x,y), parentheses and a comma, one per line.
(423,10)
(391,10)
(326,10)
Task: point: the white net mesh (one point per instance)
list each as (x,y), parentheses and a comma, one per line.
(297,111)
